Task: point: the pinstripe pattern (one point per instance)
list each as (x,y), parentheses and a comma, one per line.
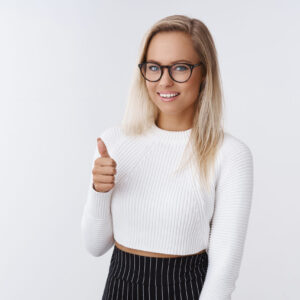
(135,277)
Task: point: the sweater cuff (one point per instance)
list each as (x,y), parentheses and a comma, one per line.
(98,203)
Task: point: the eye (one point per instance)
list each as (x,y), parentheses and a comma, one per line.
(152,67)
(180,67)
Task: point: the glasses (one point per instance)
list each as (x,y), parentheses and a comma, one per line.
(179,72)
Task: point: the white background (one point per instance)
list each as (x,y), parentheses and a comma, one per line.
(65,69)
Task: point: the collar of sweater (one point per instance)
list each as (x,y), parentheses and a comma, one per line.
(169,135)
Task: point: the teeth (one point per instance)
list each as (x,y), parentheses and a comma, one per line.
(168,95)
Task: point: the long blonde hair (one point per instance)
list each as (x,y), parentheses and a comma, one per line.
(207,132)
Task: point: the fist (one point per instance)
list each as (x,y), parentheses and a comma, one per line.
(104,170)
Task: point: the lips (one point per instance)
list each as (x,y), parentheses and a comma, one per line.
(165,99)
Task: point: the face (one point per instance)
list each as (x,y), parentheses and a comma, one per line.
(165,48)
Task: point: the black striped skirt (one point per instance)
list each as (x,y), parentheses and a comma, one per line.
(136,277)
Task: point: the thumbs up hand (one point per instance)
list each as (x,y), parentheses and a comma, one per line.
(104,170)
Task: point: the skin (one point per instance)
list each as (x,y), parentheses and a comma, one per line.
(164,48)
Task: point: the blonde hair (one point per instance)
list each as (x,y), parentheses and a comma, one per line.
(207,132)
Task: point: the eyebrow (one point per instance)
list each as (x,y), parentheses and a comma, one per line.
(172,62)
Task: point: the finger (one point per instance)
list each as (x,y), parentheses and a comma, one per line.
(105,161)
(102,148)
(98,179)
(107,170)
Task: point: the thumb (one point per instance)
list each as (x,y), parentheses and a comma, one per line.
(102,148)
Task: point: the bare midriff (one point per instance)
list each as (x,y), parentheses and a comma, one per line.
(151,254)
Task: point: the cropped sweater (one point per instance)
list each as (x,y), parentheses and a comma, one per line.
(153,208)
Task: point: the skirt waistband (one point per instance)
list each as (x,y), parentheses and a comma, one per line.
(157,271)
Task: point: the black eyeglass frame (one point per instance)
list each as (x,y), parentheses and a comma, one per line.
(169,70)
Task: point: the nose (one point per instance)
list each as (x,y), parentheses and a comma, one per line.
(165,78)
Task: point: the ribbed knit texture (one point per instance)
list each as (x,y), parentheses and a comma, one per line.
(151,208)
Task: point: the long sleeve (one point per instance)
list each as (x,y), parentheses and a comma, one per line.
(96,223)
(229,224)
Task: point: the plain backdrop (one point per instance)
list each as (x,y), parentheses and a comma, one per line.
(65,69)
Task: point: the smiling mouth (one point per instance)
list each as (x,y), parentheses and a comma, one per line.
(168,98)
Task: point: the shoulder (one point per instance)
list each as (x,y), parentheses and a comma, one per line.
(234,161)
(234,147)
(235,177)
(111,135)
(234,154)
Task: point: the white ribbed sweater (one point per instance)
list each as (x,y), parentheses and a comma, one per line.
(152,209)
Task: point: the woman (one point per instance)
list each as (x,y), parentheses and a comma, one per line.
(177,235)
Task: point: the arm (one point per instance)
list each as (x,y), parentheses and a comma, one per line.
(96,222)
(229,223)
